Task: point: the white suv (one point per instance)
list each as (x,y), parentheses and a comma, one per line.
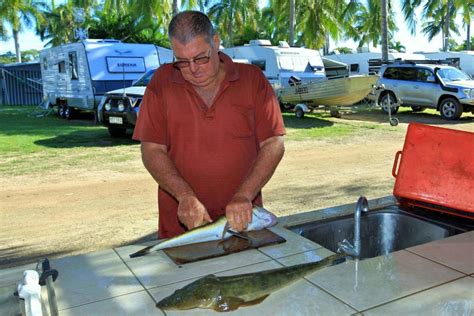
(445,88)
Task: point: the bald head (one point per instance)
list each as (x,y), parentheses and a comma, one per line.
(187,25)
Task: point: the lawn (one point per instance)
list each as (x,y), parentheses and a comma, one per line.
(31,144)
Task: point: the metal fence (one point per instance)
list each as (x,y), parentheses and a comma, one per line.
(20,84)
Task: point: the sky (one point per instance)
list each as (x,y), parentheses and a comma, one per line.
(413,43)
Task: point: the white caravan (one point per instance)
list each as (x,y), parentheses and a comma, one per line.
(77,75)
(464,59)
(279,63)
(358,63)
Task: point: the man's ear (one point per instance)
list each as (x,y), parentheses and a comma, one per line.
(217,41)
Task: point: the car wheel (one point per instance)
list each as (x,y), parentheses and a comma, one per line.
(388,101)
(61,109)
(450,109)
(417,108)
(299,113)
(117,131)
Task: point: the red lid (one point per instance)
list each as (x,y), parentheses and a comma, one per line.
(436,169)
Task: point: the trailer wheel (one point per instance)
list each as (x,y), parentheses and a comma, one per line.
(299,113)
(68,112)
(61,109)
(117,131)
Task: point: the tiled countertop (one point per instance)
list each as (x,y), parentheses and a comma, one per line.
(436,278)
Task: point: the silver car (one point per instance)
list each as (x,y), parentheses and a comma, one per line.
(444,88)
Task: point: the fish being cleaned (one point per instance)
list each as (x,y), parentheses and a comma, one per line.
(219,229)
(228,293)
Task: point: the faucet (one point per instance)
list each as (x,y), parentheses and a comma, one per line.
(345,246)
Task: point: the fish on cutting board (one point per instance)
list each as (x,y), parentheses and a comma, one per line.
(228,293)
(261,218)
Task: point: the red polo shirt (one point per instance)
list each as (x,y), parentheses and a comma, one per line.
(212,148)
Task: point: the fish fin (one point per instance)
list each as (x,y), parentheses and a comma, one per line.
(225,230)
(141,253)
(242,235)
(228,303)
(255,301)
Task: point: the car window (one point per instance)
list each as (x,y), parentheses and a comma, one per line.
(425,75)
(391,73)
(452,74)
(145,79)
(407,74)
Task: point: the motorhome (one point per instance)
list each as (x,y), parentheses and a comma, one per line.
(464,60)
(75,76)
(280,63)
(360,63)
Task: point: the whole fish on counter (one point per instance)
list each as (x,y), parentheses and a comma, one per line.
(261,218)
(228,293)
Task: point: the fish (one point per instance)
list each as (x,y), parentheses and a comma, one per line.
(217,230)
(228,293)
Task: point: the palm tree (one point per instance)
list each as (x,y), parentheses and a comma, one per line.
(58,27)
(436,24)
(364,22)
(467,7)
(233,15)
(19,14)
(291,35)
(384,26)
(399,47)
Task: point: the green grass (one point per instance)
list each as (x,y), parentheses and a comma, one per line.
(35,145)
(30,144)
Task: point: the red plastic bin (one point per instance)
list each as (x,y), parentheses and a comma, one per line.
(435,170)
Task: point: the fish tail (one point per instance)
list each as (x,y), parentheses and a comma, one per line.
(142,252)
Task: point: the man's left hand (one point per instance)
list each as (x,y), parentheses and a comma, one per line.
(239,213)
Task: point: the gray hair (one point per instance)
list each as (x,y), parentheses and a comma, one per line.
(187,25)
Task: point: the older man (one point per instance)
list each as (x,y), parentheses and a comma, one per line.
(211,131)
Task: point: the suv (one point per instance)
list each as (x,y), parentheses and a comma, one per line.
(118,109)
(445,88)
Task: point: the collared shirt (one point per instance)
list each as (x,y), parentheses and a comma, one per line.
(213,148)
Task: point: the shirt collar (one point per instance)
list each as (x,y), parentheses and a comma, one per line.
(232,73)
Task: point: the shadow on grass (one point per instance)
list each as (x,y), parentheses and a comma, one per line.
(407,116)
(74,139)
(307,122)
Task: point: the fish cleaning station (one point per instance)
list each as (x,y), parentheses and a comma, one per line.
(408,253)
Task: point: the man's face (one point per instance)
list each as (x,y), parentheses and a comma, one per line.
(200,75)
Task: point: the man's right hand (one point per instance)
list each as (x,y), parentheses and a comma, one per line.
(192,213)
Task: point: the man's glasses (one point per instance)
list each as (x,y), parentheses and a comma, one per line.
(180,64)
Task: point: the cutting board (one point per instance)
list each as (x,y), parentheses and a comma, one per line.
(212,249)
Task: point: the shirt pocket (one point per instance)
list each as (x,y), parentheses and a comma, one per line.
(241,121)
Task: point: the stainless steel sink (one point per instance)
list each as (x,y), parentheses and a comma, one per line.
(382,232)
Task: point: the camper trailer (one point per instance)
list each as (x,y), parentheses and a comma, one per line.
(464,60)
(280,63)
(75,76)
(360,63)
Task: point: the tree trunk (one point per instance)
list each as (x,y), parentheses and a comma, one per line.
(17,46)
(230,33)
(175,7)
(291,37)
(383,14)
(468,40)
(447,19)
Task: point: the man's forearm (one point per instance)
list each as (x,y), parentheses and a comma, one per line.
(162,169)
(270,154)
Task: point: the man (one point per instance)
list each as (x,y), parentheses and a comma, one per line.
(211,131)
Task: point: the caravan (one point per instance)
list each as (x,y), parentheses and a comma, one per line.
(300,77)
(75,76)
(463,60)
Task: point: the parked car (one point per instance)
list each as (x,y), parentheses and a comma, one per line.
(118,109)
(418,85)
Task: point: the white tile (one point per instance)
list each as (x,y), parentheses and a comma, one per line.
(456,252)
(308,256)
(14,275)
(294,244)
(157,269)
(299,298)
(139,303)
(375,281)
(453,298)
(92,277)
